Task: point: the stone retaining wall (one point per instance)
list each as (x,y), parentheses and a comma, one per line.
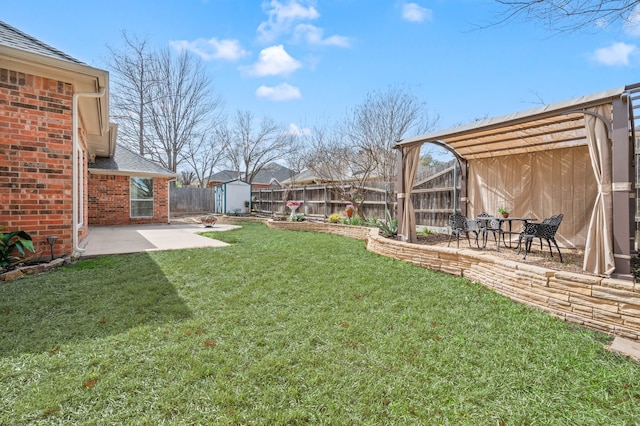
(357,232)
(605,304)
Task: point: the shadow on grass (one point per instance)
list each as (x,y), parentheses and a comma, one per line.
(91,299)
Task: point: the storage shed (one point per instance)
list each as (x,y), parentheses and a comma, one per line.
(233,197)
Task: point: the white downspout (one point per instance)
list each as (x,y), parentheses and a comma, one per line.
(74,156)
(169,199)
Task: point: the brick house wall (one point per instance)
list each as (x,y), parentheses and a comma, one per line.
(35,158)
(109,201)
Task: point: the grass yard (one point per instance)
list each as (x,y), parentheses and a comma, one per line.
(293,328)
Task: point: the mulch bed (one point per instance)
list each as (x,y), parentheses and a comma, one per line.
(572,258)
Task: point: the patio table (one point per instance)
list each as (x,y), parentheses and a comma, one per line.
(510,221)
(484,223)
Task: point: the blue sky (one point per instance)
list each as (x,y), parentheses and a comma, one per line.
(302,62)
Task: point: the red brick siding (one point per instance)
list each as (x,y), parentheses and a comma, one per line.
(35,158)
(109,201)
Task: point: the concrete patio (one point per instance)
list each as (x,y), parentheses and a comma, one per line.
(138,238)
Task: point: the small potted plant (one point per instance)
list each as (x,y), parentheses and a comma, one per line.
(349,210)
(504,212)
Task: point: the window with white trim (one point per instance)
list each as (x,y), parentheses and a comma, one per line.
(141,196)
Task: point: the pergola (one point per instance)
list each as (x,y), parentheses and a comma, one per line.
(574,157)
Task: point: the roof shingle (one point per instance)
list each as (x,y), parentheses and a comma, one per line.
(125,160)
(13,37)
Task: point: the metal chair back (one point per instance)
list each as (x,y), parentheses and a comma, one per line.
(544,230)
(459,224)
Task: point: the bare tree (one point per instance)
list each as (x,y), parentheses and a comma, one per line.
(339,165)
(297,157)
(296,161)
(186,177)
(376,125)
(131,82)
(160,100)
(363,149)
(571,15)
(180,105)
(250,146)
(203,154)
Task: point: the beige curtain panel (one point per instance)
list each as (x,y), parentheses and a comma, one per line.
(538,185)
(598,256)
(410,161)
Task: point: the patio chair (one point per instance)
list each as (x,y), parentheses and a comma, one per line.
(544,230)
(488,224)
(460,224)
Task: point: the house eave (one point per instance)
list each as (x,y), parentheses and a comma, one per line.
(93,112)
(136,173)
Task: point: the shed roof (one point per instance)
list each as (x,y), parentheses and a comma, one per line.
(557,125)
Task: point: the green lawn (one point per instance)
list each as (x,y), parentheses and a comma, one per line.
(293,328)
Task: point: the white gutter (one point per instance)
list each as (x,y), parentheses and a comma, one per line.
(74,156)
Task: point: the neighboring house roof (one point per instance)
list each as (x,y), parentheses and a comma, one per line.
(265,176)
(273,171)
(305,177)
(126,162)
(223,176)
(12,37)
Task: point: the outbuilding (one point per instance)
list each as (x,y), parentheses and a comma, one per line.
(233,197)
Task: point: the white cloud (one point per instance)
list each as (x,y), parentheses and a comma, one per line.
(281,92)
(273,60)
(282,18)
(314,35)
(294,130)
(228,50)
(616,54)
(632,23)
(413,12)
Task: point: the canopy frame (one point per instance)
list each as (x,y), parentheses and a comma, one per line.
(555,126)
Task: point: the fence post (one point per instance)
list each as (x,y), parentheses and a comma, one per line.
(304,199)
(325,201)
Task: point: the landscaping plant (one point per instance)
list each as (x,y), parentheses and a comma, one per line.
(353,220)
(13,241)
(389,227)
(296,217)
(334,218)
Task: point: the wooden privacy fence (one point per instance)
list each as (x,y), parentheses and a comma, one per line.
(320,200)
(191,200)
(432,195)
